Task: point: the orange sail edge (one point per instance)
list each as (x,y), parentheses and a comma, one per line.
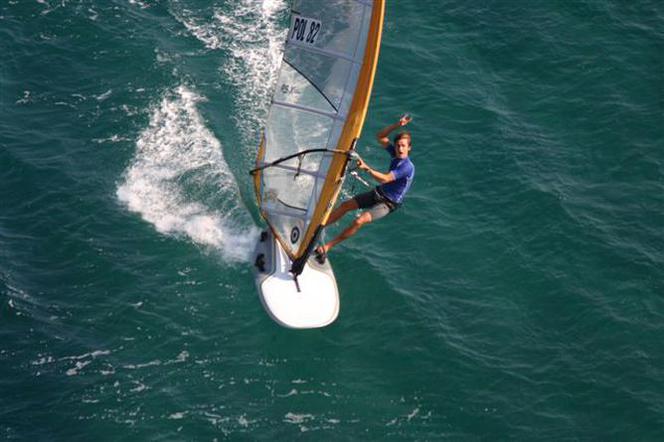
(350,132)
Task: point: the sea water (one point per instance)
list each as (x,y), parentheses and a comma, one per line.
(518,294)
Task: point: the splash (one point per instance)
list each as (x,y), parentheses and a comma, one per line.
(254,64)
(253,33)
(178,175)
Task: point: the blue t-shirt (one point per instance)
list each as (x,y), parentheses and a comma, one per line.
(404,171)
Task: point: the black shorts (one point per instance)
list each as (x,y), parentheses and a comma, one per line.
(375,203)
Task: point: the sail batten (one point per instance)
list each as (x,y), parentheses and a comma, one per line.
(300,171)
(288,213)
(308,109)
(318,107)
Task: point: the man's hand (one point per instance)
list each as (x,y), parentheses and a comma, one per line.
(382,135)
(362,165)
(378,176)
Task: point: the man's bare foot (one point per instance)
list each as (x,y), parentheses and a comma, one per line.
(321,253)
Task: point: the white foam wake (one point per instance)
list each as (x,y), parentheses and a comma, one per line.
(179,181)
(253,33)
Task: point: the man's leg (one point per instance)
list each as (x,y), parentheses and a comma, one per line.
(340,211)
(351,230)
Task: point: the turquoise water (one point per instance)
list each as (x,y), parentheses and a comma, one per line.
(517,295)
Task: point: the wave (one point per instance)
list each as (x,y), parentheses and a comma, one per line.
(252,34)
(179,181)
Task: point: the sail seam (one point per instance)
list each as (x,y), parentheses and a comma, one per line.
(284,213)
(312,83)
(292,207)
(294,169)
(325,52)
(308,109)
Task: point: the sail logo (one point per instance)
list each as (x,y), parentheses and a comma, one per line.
(295,234)
(304,30)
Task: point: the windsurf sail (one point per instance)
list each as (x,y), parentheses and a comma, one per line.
(316,116)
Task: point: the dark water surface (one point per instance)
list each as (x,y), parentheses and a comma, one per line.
(517,295)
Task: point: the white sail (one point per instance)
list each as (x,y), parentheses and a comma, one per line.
(316,115)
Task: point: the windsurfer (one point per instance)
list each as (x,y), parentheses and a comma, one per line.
(387,196)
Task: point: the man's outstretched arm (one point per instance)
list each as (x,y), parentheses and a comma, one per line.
(382,136)
(382,178)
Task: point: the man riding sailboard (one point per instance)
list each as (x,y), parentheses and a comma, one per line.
(384,198)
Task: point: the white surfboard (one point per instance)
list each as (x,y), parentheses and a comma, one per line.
(309,301)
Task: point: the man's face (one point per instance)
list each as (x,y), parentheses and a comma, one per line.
(402,148)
